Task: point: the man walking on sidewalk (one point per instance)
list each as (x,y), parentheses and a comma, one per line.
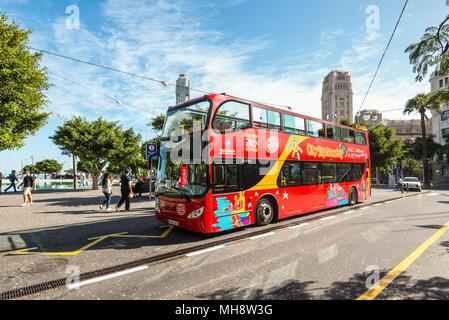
(12,177)
(28,183)
(126,190)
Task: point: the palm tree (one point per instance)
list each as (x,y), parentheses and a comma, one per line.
(431,51)
(422,103)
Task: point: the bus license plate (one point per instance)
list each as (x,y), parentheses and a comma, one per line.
(174,223)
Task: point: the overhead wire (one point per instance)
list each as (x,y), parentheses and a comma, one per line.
(383,55)
(116,100)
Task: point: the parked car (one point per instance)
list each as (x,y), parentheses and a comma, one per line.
(412,183)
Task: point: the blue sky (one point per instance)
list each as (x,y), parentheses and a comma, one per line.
(271,51)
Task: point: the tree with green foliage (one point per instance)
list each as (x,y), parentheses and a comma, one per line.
(22,85)
(422,103)
(97,143)
(48,166)
(31,168)
(431,51)
(346,122)
(384,148)
(157,124)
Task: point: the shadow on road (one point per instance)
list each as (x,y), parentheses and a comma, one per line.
(402,288)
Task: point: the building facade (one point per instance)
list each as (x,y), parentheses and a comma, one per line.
(182,89)
(407,130)
(440,130)
(336,97)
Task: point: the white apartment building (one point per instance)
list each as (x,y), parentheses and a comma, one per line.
(440,130)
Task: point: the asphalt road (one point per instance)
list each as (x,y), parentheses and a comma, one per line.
(340,256)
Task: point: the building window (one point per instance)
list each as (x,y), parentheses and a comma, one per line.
(445,115)
(445,170)
(446,133)
(441,83)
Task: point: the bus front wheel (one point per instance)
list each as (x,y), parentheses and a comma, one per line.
(264,212)
(352,197)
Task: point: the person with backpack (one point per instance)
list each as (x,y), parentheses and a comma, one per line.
(106,184)
(126,191)
(12,177)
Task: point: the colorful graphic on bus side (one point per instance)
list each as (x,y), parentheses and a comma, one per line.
(231,215)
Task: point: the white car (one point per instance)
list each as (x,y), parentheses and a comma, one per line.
(411,183)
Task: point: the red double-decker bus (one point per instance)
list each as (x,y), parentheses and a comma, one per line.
(226,163)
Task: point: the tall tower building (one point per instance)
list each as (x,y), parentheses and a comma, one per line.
(182,89)
(336,97)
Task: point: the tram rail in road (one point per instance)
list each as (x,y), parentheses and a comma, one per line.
(182,253)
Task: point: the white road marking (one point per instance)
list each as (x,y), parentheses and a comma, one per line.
(299,225)
(349,212)
(118,274)
(204,251)
(377,204)
(433,194)
(262,235)
(327,218)
(364,208)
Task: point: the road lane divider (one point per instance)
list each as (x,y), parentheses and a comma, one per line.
(262,235)
(205,251)
(378,287)
(327,218)
(110,276)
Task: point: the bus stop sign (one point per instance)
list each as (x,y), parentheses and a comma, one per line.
(151,150)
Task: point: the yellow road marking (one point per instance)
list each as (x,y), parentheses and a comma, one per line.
(97,240)
(385,281)
(22,251)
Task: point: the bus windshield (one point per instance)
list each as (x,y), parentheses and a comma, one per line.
(180,180)
(184,118)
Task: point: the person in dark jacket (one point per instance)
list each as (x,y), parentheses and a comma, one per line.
(12,177)
(126,191)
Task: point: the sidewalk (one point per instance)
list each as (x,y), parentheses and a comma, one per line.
(52,208)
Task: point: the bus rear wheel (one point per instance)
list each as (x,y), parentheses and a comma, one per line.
(352,197)
(264,212)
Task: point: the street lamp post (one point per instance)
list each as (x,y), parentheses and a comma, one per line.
(75,186)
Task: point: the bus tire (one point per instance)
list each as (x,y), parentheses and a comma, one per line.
(264,213)
(352,197)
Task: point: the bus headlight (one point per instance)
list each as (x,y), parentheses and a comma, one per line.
(196,213)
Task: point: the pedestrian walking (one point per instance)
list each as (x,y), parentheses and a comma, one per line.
(82,180)
(126,191)
(106,184)
(12,177)
(28,183)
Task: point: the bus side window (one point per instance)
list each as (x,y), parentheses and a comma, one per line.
(265,118)
(360,138)
(294,124)
(226,178)
(333,132)
(351,136)
(316,129)
(231,115)
(310,173)
(219,177)
(348,135)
